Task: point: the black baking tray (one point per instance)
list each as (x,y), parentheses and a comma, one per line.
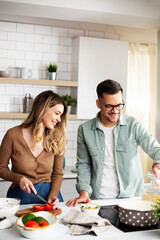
(109,213)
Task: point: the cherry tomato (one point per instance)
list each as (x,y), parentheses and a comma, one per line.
(48,207)
(43,223)
(32,224)
(38,208)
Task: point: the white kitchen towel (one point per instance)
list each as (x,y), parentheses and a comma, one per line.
(82,223)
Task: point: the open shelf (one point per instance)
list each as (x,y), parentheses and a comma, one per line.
(39,82)
(14,115)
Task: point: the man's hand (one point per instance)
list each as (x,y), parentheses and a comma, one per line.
(156,169)
(83,198)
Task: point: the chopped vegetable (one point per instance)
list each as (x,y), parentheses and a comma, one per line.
(38,208)
(48,207)
(87,206)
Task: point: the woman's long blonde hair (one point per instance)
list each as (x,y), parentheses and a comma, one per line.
(54,140)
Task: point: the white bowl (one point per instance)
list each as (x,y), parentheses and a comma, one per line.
(90,208)
(8,207)
(4,73)
(40,231)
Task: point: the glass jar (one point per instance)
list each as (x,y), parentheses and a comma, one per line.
(152,188)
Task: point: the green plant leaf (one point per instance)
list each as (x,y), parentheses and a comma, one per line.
(69,100)
(52,67)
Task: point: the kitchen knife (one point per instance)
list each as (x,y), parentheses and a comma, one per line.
(41,198)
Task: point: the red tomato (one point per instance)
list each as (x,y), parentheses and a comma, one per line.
(32,224)
(38,208)
(48,207)
(43,223)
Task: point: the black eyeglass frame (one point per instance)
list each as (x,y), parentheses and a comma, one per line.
(113,106)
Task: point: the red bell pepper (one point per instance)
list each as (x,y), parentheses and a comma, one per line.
(48,207)
(38,208)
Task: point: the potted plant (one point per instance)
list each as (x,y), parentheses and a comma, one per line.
(156,208)
(70,101)
(52,71)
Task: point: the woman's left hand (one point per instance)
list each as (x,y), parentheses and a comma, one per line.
(55,201)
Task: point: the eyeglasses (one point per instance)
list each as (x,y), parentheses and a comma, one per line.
(110,107)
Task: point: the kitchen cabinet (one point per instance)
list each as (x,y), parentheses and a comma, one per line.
(13,115)
(95,60)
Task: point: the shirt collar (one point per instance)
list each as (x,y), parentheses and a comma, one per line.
(95,125)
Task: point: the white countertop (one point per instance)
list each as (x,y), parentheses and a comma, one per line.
(59,230)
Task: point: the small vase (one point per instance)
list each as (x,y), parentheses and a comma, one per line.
(69,109)
(52,75)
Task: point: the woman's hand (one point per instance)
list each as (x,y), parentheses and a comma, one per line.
(26,185)
(55,201)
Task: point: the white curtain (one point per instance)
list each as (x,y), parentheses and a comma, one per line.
(141,89)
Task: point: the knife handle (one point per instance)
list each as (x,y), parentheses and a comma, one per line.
(32,191)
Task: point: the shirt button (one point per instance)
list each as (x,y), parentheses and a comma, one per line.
(102,163)
(103,149)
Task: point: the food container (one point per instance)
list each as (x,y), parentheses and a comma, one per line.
(27,103)
(40,231)
(90,208)
(151,188)
(5,74)
(8,207)
(136,213)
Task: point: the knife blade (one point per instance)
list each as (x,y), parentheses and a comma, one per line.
(41,198)
(44,200)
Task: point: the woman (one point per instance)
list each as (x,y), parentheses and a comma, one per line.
(36,149)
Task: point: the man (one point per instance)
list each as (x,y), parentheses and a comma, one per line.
(108,162)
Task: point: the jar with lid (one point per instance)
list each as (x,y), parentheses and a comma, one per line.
(152,187)
(27,103)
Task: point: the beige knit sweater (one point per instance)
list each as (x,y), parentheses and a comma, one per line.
(45,168)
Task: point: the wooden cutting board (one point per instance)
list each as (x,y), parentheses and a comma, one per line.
(30,210)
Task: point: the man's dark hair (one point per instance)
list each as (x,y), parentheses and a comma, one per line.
(108,86)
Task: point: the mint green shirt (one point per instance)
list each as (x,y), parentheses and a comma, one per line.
(128,135)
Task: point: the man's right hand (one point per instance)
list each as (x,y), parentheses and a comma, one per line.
(83,198)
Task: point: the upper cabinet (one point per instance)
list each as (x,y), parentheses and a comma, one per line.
(95,60)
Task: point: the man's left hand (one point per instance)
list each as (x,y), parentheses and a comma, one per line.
(156,169)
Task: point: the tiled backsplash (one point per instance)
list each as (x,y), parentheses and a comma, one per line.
(34,47)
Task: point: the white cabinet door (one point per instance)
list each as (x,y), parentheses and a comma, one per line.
(95,60)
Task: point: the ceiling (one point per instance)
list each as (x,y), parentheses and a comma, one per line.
(130,13)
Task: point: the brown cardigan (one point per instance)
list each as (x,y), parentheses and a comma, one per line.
(47,167)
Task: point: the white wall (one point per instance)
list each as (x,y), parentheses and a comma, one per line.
(34,46)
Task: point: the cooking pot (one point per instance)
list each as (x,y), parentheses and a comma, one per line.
(136,213)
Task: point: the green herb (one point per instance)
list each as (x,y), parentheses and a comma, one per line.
(69,100)
(52,67)
(156,208)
